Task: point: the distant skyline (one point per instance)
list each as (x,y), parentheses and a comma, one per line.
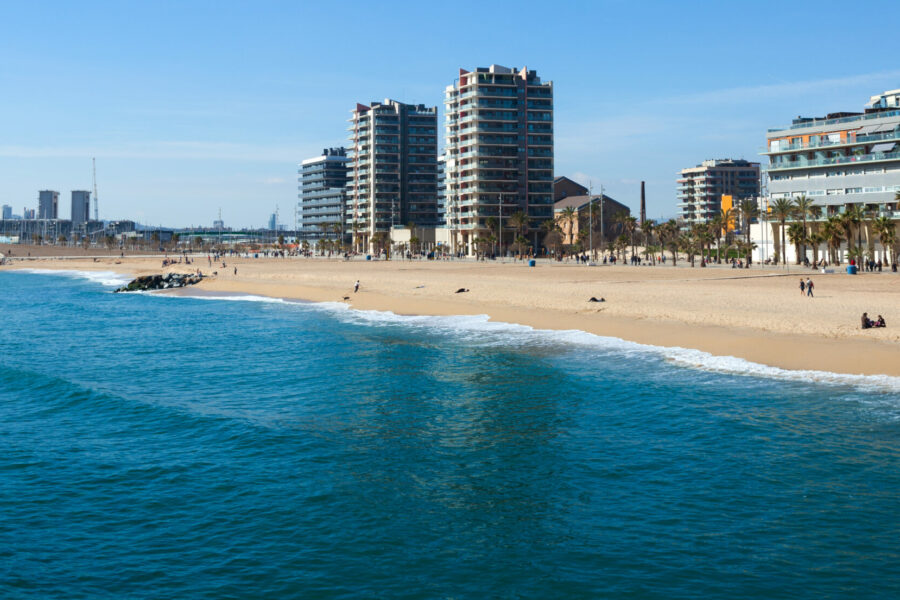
(193,107)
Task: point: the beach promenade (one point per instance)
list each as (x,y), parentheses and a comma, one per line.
(757,314)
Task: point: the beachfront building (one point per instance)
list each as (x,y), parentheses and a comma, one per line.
(499,145)
(573,214)
(7,212)
(322,206)
(442,190)
(843,161)
(700,188)
(81,207)
(48,204)
(392,171)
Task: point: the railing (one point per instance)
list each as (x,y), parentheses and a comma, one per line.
(839,160)
(860,139)
(820,122)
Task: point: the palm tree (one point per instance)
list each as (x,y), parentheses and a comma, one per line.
(520,223)
(833,231)
(796,236)
(647,229)
(804,208)
(629,224)
(668,234)
(886,230)
(687,243)
(749,211)
(815,241)
(568,216)
(783,209)
(854,216)
(492,223)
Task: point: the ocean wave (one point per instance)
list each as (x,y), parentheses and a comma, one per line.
(105,278)
(481,331)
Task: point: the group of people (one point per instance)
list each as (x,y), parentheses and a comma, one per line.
(806,287)
(868,323)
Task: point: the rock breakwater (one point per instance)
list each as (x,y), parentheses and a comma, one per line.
(160,282)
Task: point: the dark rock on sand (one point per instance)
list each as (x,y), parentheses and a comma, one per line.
(161,282)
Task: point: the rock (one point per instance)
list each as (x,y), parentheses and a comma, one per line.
(160,282)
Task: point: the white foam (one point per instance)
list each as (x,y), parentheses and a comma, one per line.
(106,278)
(474,328)
(240,298)
(480,331)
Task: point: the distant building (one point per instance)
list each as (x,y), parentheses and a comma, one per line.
(218,224)
(584,207)
(273,221)
(323,193)
(28,213)
(563,187)
(81,207)
(392,176)
(48,204)
(499,124)
(700,188)
(7,212)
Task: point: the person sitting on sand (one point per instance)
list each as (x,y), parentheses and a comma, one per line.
(461,290)
(866,322)
(593,299)
(879,322)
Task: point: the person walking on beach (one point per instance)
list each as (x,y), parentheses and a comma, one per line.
(235,270)
(802,286)
(809,287)
(356,286)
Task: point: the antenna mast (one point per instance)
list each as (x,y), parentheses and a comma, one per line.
(96,199)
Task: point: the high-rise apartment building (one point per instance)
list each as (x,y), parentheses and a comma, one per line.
(323,190)
(48,204)
(442,190)
(840,159)
(499,132)
(392,173)
(700,188)
(7,212)
(81,207)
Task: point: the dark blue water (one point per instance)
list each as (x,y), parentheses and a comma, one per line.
(193,448)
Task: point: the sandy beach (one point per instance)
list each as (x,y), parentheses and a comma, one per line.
(755,314)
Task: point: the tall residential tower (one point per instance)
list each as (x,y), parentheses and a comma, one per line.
(392,177)
(499,132)
(81,207)
(700,188)
(323,182)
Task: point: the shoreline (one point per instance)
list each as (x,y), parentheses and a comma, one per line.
(842,352)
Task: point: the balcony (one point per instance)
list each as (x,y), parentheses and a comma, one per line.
(803,163)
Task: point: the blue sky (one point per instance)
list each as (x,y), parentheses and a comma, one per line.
(194,106)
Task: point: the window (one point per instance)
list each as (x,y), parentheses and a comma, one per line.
(834,192)
(854,190)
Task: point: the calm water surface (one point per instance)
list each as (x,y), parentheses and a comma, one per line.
(158,447)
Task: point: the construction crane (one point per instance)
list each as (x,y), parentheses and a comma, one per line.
(96,199)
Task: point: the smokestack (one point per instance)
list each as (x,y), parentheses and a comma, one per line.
(643,204)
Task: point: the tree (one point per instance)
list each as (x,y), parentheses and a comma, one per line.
(668,235)
(833,232)
(521,244)
(886,231)
(717,225)
(854,215)
(492,223)
(648,227)
(803,207)
(783,209)
(519,221)
(687,243)
(568,216)
(281,240)
(381,243)
(797,237)
(629,225)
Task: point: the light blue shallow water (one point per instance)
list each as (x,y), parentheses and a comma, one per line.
(157,447)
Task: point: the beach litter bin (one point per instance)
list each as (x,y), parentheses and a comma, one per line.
(532,262)
(368,257)
(851,269)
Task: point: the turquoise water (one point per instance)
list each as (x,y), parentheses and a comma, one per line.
(160,447)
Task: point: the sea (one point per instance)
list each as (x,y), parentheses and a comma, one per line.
(162,447)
